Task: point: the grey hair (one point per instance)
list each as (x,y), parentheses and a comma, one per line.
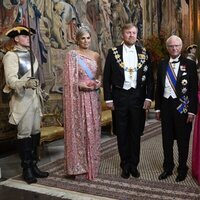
(81,31)
(174,37)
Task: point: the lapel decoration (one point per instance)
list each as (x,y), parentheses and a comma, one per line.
(184,90)
(118,57)
(142,57)
(145,68)
(183,68)
(184,82)
(184,99)
(143,78)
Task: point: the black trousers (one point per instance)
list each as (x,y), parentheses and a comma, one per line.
(129,123)
(174,127)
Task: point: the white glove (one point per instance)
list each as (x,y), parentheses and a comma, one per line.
(32,83)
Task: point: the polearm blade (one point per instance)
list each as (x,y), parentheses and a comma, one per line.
(30,41)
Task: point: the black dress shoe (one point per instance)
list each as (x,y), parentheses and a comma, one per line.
(125,174)
(164,175)
(181,177)
(135,173)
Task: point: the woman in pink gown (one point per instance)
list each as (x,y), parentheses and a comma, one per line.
(196,144)
(82,79)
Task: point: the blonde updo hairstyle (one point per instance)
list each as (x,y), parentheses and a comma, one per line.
(81,31)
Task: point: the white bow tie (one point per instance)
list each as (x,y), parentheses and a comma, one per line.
(130,50)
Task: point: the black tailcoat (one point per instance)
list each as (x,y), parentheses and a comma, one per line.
(114,74)
(128,104)
(187,71)
(174,125)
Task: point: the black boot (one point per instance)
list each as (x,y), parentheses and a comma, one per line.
(25,147)
(36,171)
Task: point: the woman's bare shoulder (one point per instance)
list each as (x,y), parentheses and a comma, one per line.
(94,55)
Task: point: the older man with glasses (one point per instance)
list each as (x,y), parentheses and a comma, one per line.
(176,105)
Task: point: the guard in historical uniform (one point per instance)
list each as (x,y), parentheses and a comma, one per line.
(22,82)
(192,53)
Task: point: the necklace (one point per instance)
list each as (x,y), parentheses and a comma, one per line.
(142,57)
(130,70)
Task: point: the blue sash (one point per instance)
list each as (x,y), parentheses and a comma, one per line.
(85,68)
(183,107)
(171,77)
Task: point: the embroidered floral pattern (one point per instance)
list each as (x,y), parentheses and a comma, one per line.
(81,119)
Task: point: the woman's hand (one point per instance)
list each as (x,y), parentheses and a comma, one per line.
(98,84)
(87,86)
(84,87)
(90,85)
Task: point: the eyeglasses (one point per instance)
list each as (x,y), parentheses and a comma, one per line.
(173,46)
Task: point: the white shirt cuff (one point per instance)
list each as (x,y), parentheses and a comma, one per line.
(148,100)
(109,101)
(191,113)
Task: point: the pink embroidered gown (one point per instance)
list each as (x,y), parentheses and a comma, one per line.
(196,145)
(81,119)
